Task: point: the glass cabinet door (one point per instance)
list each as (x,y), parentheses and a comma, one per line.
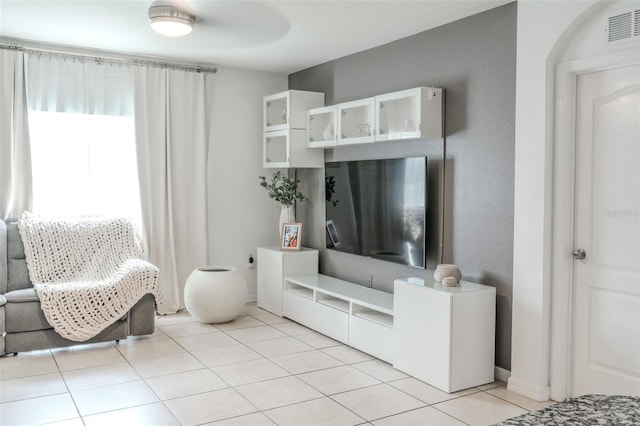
(286,148)
(321,127)
(356,122)
(398,115)
(288,110)
(276,112)
(409,114)
(276,149)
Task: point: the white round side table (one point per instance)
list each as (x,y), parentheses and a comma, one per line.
(215,294)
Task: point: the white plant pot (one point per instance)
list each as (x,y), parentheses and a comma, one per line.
(287,215)
(215,294)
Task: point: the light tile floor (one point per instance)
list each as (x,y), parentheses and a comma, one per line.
(259,369)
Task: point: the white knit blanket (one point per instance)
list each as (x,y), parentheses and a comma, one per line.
(87,271)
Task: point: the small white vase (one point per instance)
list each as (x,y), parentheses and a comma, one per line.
(445,272)
(287,215)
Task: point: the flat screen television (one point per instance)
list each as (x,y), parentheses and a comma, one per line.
(377,208)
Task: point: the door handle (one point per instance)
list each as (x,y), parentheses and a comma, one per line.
(579,254)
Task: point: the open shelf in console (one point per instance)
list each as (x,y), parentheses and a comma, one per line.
(353,314)
(334,302)
(372,315)
(299,290)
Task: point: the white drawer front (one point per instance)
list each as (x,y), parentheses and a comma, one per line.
(372,338)
(322,318)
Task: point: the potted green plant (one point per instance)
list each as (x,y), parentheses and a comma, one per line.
(284,190)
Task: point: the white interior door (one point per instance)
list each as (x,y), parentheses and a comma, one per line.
(606,341)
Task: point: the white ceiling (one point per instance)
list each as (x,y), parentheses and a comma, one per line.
(278,36)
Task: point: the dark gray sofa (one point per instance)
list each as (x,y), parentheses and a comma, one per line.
(23,326)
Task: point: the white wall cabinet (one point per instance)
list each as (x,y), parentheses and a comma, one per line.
(284,124)
(273,266)
(409,114)
(445,336)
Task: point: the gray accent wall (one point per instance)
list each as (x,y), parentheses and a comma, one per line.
(474,60)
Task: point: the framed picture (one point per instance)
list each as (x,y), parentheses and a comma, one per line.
(334,240)
(291,236)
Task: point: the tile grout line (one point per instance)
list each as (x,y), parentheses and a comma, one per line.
(265,412)
(205,367)
(513,403)
(291,374)
(66,385)
(144,381)
(121,350)
(450,415)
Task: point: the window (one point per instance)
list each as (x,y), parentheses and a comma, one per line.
(82,136)
(84,164)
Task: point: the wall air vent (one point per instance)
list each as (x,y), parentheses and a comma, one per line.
(623,26)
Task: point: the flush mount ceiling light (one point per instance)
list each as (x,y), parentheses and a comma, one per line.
(170,21)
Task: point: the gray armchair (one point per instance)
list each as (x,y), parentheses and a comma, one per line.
(23,326)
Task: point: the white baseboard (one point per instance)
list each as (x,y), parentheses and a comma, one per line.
(537,393)
(252,298)
(501,374)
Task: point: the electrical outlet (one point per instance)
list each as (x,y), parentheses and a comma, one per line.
(252,262)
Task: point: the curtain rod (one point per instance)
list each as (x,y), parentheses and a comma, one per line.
(112,60)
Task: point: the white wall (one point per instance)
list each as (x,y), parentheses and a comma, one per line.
(548,33)
(241,215)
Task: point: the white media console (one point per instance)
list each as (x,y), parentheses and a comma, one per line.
(358,316)
(444,336)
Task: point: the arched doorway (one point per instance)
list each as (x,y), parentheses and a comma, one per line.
(537,343)
(595,301)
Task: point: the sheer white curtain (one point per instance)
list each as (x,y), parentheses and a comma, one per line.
(15,155)
(171,139)
(78,85)
(82,136)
